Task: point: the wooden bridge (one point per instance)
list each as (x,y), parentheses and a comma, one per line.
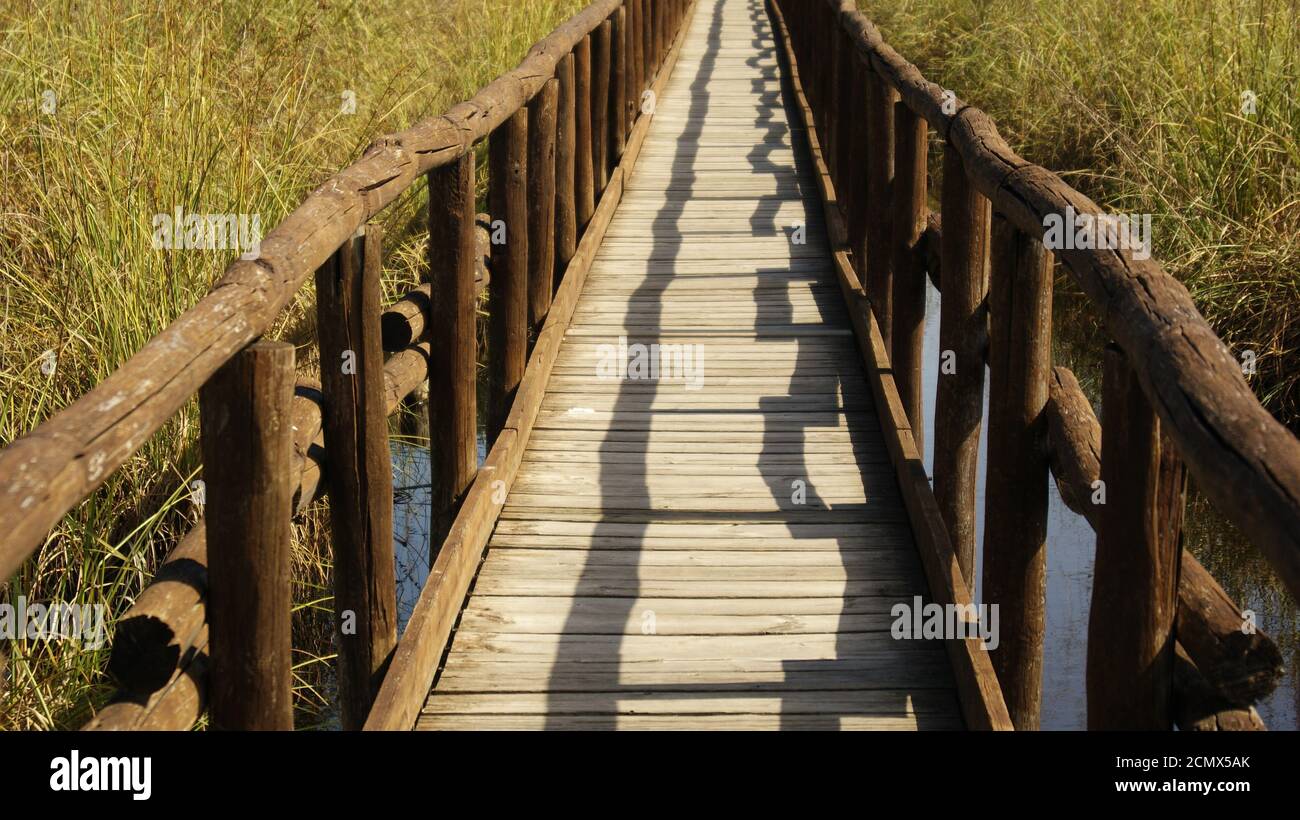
(734,192)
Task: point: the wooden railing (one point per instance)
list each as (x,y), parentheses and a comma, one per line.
(1165,642)
(565,129)
(212,630)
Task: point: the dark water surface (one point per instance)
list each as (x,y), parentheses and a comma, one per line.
(1070,547)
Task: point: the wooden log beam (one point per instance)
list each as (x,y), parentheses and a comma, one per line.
(1199,707)
(247,446)
(405,322)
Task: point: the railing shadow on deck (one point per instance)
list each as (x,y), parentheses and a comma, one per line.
(805,682)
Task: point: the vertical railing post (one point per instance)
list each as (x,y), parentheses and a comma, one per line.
(1015,511)
(584,169)
(566,216)
(636,68)
(648,25)
(360,478)
(508,286)
(845,100)
(856,113)
(600,86)
(618,88)
(959,397)
(1135,578)
(908,297)
(541,201)
(660,25)
(828,129)
(880,172)
(247,445)
(453,343)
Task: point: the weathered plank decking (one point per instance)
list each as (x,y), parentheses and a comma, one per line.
(718,548)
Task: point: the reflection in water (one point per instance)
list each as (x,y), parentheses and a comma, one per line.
(411,499)
(1236,564)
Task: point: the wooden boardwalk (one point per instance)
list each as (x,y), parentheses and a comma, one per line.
(719,547)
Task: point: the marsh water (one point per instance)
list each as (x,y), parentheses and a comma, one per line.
(1070,542)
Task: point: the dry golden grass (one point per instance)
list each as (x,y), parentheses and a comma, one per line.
(234,107)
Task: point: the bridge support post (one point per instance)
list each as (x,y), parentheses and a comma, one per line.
(508,287)
(959,398)
(600,89)
(636,51)
(453,343)
(847,67)
(828,125)
(909,204)
(247,444)
(1015,517)
(880,175)
(566,216)
(355,422)
(541,202)
(1135,578)
(584,175)
(857,217)
(618,103)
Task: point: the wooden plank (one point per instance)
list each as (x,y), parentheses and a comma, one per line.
(659,723)
(758,595)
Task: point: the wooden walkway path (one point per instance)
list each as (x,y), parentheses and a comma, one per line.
(718,548)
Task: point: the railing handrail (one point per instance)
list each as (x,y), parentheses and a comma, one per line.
(1244,460)
(52,468)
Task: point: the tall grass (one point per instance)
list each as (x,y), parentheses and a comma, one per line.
(1139,105)
(233,107)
